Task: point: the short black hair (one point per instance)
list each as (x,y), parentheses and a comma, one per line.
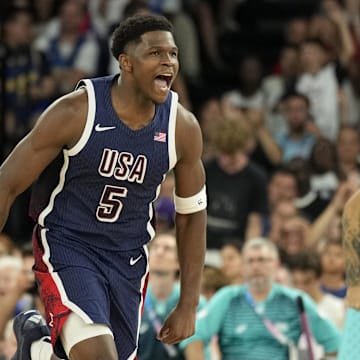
(133,27)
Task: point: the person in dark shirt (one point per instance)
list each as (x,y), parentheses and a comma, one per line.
(236,186)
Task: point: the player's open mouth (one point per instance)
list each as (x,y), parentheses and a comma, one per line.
(163,81)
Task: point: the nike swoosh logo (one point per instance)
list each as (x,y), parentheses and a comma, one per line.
(98,127)
(134,261)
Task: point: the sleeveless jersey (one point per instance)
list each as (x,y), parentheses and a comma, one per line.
(101,191)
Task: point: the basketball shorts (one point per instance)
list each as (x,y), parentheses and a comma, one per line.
(101,286)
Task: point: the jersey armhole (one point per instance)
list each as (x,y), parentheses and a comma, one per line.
(172,127)
(87,84)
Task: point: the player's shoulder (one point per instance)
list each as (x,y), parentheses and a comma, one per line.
(186,118)
(188,134)
(73,104)
(64,119)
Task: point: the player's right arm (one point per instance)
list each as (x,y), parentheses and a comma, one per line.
(60,126)
(351,244)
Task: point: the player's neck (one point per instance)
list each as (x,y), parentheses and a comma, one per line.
(132,108)
(125,92)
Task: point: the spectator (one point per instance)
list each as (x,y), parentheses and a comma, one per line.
(28,89)
(264,151)
(248,93)
(283,276)
(162,296)
(296,30)
(327,225)
(333,268)
(13,285)
(280,213)
(325,174)
(7,246)
(9,342)
(28,86)
(104,15)
(348,152)
(73,54)
(236,187)
(306,273)
(308,202)
(282,185)
(298,140)
(318,82)
(46,13)
(231,261)
(294,237)
(239,314)
(276,85)
(330,25)
(213,280)
(32,292)
(164,204)
(165,213)
(211,16)
(210,115)
(350,95)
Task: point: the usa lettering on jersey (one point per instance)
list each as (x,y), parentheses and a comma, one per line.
(122,166)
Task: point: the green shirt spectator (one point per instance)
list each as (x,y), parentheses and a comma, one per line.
(236,314)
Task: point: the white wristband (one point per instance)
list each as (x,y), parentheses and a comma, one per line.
(192,203)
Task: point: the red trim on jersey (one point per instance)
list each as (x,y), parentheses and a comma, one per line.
(56,311)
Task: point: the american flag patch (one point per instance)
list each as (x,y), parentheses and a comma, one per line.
(160,136)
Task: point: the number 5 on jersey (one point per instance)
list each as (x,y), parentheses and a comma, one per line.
(110,204)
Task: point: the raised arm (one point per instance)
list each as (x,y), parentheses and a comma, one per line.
(58,127)
(190,202)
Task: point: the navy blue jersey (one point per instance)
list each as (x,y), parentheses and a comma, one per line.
(101,191)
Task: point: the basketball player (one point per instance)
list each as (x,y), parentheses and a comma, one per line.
(350,343)
(100,154)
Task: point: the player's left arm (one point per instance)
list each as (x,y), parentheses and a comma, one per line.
(190,204)
(351,245)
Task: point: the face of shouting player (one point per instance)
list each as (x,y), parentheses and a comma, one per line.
(153,64)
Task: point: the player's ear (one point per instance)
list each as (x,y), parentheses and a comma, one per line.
(125,63)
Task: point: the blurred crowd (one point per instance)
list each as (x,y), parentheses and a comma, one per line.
(280,122)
